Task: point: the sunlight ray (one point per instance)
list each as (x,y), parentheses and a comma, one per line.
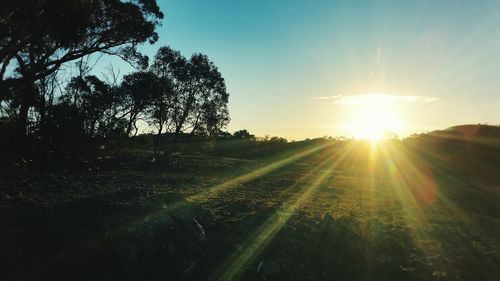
(411,170)
(232,183)
(253,174)
(413,215)
(257,242)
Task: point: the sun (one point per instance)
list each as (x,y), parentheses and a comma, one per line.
(374,122)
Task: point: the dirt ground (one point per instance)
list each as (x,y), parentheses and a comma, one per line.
(302,215)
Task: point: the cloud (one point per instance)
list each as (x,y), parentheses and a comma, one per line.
(328,97)
(376,99)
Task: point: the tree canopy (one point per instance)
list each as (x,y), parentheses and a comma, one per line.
(175,96)
(38,36)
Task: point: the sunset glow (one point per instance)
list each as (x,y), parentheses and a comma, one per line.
(373,117)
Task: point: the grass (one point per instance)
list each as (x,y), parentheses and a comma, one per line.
(336,212)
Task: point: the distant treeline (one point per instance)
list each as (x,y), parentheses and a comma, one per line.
(50,101)
(238,144)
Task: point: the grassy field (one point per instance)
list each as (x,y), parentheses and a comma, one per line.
(342,211)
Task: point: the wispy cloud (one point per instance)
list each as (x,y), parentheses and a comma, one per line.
(328,97)
(375,99)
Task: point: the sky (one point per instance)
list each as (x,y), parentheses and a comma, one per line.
(302,69)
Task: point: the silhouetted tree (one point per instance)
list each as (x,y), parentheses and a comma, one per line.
(161,107)
(170,64)
(243,135)
(38,36)
(198,100)
(98,102)
(138,89)
(176,95)
(207,113)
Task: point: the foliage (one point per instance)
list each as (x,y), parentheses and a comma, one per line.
(199,99)
(38,37)
(175,95)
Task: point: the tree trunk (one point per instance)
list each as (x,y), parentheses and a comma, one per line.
(158,136)
(23,119)
(131,122)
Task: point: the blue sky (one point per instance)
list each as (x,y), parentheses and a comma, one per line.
(288,63)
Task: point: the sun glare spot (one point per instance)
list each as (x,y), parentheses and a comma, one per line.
(374,121)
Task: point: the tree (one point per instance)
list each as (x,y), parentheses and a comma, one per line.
(208,113)
(98,102)
(171,65)
(243,134)
(161,107)
(139,89)
(198,103)
(37,37)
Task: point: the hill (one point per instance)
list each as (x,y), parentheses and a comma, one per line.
(470,149)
